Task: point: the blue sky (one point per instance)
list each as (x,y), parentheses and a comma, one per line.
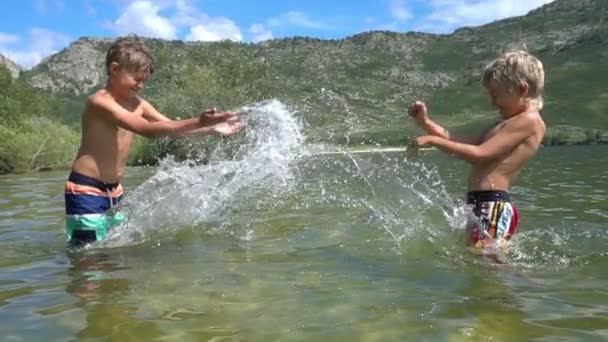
(31,30)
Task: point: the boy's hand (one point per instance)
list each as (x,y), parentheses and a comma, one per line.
(412,150)
(211,117)
(418,111)
(227,127)
(424,140)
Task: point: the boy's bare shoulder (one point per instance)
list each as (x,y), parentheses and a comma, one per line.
(531,124)
(100,100)
(531,120)
(143,102)
(534,118)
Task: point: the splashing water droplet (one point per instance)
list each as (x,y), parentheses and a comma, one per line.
(187,194)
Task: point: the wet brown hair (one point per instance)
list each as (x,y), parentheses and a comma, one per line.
(131,53)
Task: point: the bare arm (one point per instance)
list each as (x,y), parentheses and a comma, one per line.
(123,118)
(504,141)
(225,128)
(418,111)
(211,121)
(432,128)
(218,123)
(151,113)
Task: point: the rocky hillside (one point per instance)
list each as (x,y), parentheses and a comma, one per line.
(76,70)
(359,86)
(13,67)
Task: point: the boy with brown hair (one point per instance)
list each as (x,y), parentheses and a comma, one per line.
(111,117)
(515,83)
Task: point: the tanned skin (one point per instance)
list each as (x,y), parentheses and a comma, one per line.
(114,114)
(498,154)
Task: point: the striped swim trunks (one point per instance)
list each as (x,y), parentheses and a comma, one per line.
(496,218)
(87,201)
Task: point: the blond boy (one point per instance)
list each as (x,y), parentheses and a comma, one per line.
(111,117)
(515,83)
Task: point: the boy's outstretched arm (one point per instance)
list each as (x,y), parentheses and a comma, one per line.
(505,140)
(419,112)
(113,112)
(224,128)
(211,121)
(214,122)
(151,113)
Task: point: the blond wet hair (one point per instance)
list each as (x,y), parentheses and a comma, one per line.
(514,69)
(131,53)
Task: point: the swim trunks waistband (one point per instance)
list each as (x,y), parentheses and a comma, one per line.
(487,196)
(81,179)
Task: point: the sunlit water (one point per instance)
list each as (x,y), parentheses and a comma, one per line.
(270,240)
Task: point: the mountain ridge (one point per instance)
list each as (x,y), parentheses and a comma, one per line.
(347,91)
(357,82)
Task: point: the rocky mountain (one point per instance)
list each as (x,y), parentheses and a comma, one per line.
(13,67)
(359,86)
(74,70)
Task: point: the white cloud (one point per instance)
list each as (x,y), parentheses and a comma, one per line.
(297,18)
(214,30)
(202,27)
(186,14)
(169,18)
(41,43)
(260,32)
(143,18)
(399,11)
(447,15)
(7,38)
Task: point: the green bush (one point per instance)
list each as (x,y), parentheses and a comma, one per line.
(574,135)
(35,144)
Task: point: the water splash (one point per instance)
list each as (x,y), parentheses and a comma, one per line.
(267,178)
(187,194)
(558,247)
(404,199)
(232,186)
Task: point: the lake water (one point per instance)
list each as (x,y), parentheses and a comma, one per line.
(270,240)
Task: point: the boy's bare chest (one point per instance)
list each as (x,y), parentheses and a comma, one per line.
(124,136)
(135,108)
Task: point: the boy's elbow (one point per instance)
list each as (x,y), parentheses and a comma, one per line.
(483,154)
(479,154)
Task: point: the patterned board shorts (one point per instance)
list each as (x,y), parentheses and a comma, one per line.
(87,201)
(496,218)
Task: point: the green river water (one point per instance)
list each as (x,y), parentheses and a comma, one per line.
(277,245)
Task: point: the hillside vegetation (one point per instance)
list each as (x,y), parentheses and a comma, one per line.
(352,90)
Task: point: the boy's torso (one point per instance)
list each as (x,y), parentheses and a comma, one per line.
(104,146)
(497,174)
